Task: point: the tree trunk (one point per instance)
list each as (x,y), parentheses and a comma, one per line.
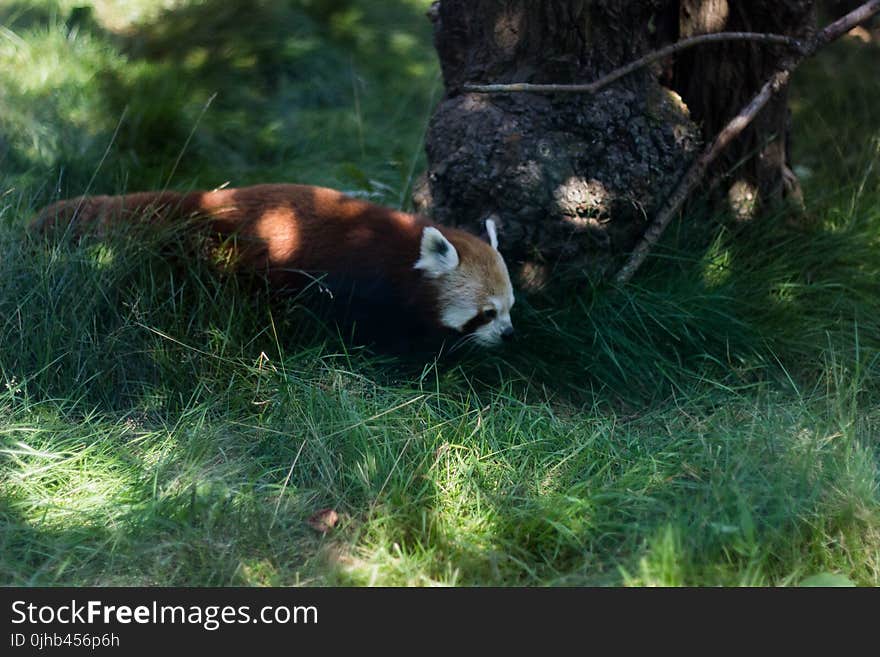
(574,179)
(717,80)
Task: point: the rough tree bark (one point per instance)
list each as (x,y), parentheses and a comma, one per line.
(574,179)
(718,80)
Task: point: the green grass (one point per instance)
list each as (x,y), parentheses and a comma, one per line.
(716,422)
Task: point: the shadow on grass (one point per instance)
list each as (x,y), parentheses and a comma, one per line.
(835,124)
(743,495)
(300,87)
(141,505)
(302,92)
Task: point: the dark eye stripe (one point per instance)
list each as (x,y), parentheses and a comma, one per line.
(474,323)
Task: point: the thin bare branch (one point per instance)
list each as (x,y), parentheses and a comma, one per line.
(698,169)
(616,74)
(695,174)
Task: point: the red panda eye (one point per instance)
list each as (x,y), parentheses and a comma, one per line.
(490,314)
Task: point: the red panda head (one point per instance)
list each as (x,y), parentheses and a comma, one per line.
(472,285)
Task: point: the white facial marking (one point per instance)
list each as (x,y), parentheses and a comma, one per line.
(437,255)
(456,315)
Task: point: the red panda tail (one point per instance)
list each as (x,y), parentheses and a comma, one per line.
(97,214)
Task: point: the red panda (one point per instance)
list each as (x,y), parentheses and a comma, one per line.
(400,269)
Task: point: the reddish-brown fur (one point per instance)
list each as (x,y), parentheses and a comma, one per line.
(283,230)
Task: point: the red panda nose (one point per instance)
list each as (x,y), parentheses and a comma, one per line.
(507,334)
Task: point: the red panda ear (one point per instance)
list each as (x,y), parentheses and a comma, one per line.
(492,231)
(437,255)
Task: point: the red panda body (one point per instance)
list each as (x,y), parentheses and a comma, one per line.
(388,268)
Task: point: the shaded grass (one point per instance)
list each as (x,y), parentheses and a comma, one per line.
(285,77)
(714,423)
